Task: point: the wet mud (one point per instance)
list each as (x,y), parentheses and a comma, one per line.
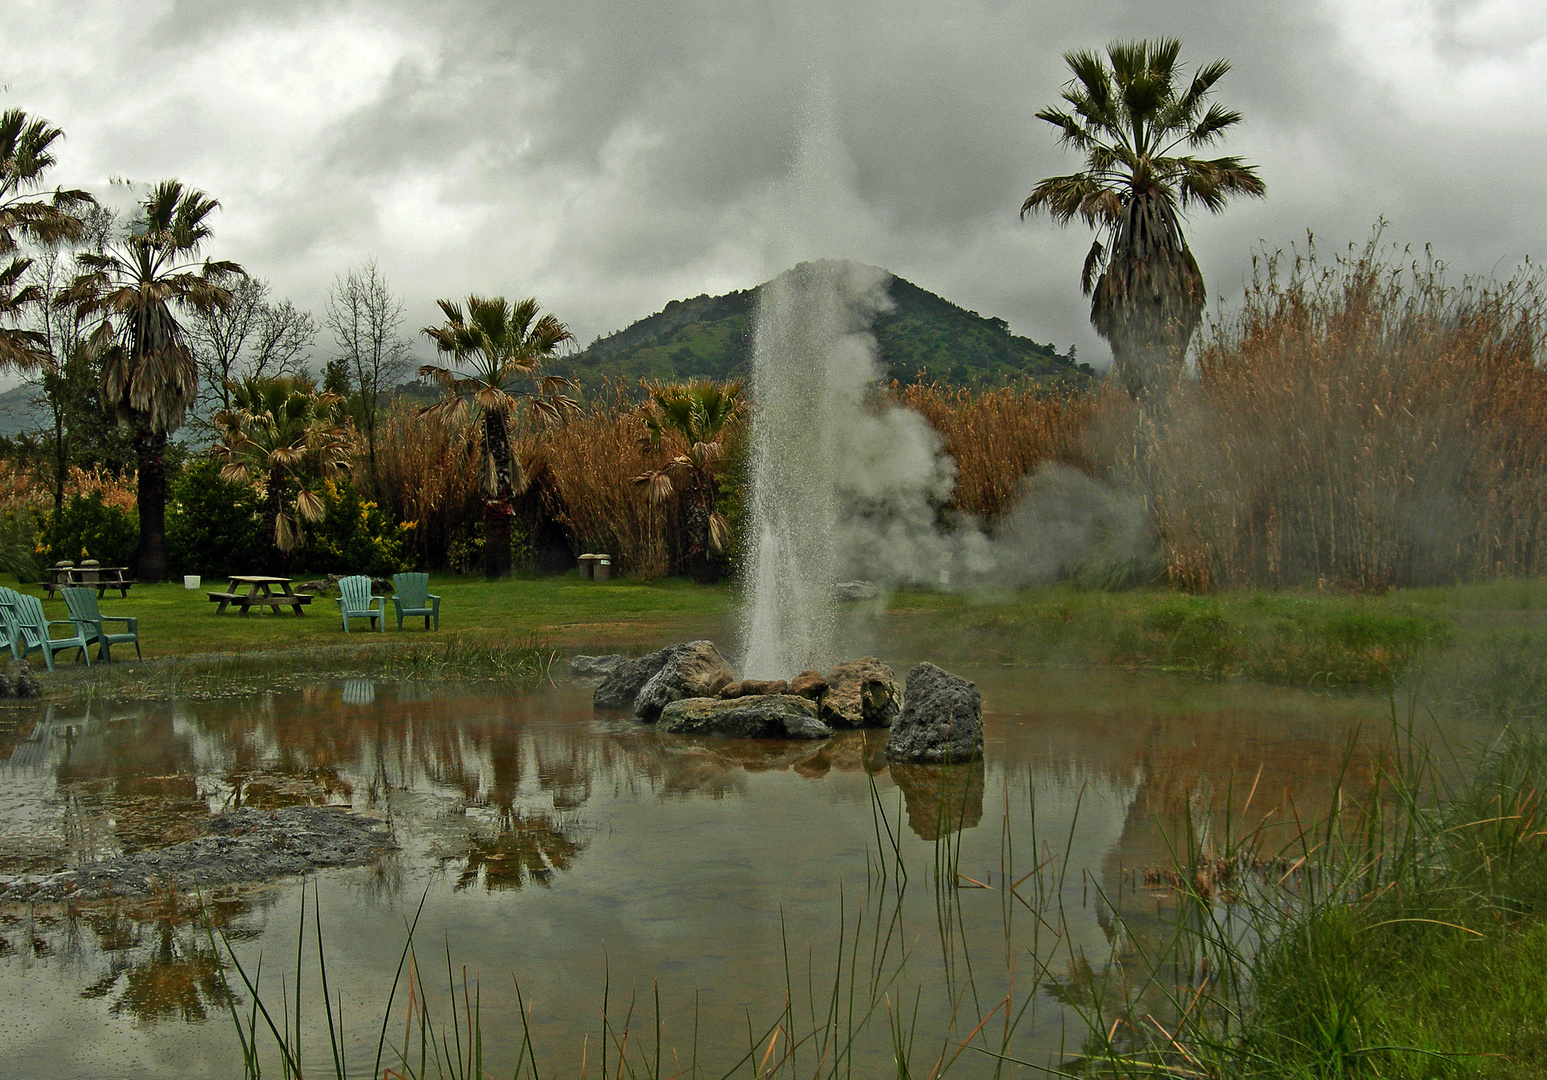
(245,845)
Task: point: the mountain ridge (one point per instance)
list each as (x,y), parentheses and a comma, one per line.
(923,335)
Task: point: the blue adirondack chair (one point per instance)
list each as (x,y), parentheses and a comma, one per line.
(356,602)
(31,631)
(85,614)
(411,596)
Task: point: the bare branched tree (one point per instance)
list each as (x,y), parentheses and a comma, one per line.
(255,338)
(365,316)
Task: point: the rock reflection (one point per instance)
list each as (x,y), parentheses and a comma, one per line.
(941,799)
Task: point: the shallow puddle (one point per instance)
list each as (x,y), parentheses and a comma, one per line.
(599,865)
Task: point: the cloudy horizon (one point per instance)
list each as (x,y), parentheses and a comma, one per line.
(608,158)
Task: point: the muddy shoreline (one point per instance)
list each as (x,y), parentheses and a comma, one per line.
(240,847)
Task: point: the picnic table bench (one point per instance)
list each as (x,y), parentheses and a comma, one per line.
(90,576)
(260,593)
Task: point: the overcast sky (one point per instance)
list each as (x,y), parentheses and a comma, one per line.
(607,157)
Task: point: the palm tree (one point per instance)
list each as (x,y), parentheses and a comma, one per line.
(700,414)
(502,345)
(281,433)
(148,371)
(25,155)
(1135,120)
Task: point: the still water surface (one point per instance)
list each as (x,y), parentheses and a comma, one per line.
(567,851)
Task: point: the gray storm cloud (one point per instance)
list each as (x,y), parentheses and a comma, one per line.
(608,157)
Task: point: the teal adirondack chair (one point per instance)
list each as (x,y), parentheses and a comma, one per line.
(411,596)
(31,633)
(356,602)
(84,612)
(8,631)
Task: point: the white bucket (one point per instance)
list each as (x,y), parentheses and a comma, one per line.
(190,581)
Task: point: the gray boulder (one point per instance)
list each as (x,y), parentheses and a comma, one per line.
(941,719)
(766,716)
(622,685)
(691,670)
(586,667)
(861,693)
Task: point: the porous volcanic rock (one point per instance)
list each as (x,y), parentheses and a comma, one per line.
(619,689)
(809,684)
(753,688)
(691,670)
(941,719)
(861,693)
(763,716)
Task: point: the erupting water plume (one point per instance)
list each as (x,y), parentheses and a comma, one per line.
(812,368)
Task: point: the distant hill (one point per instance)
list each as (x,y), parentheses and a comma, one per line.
(710,337)
(19,410)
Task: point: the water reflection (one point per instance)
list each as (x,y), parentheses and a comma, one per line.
(941,799)
(359,691)
(563,847)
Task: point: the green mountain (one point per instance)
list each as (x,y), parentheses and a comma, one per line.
(710,337)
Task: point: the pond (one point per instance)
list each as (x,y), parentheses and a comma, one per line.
(686,886)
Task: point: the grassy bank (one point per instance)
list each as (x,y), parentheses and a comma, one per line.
(1312,637)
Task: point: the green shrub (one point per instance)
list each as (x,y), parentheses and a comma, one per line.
(1185,632)
(215,525)
(19,544)
(353,537)
(1343,648)
(88,528)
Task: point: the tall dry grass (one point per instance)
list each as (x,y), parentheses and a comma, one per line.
(427,473)
(587,466)
(1362,423)
(998,436)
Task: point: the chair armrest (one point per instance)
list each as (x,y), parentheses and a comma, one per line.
(76,623)
(132,623)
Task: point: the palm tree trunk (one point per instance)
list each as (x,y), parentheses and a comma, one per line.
(150,452)
(274,506)
(497,507)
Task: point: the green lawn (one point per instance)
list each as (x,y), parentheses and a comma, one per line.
(563,611)
(1299,637)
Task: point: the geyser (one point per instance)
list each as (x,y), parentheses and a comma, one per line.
(813,368)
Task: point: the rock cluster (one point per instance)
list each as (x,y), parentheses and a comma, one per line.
(691,688)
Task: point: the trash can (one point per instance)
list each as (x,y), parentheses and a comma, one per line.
(89,571)
(587,566)
(603,569)
(190,581)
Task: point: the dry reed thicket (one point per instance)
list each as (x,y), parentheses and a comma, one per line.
(586,467)
(427,474)
(998,436)
(1361,423)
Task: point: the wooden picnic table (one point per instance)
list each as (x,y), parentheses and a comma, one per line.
(260,593)
(101,578)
